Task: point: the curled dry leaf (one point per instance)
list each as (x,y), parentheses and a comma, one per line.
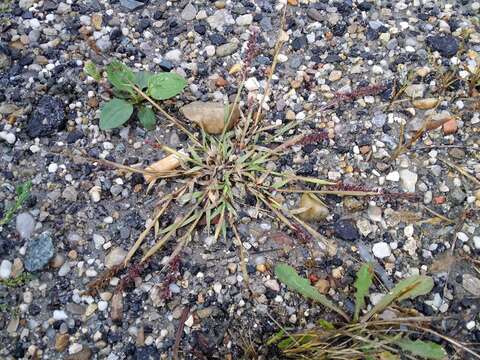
(315,210)
(168,163)
(425,104)
(211,116)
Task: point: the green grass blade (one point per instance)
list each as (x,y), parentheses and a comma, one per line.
(288,275)
(362,284)
(423,349)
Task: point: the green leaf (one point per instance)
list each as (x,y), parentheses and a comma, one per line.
(326,325)
(146,117)
(165,85)
(91,70)
(23,192)
(424,349)
(287,275)
(408,288)
(362,284)
(120,76)
(141,79)
(115,113)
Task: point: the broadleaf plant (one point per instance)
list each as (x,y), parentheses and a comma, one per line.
(126,87)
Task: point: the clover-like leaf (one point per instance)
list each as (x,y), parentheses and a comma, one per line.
(165,85)
(115,113)
(147,117)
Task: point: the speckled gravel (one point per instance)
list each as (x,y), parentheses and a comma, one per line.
(336,75)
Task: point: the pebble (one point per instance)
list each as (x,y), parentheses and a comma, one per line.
(226,49)
(48,118)
(346,230)
(25,225)
(272,284)
(5,269)
(60,315)
(131,4)
(408,180)
(61,342)
(471,284)
(252,84)
(393,176)
(415,90)
(446,44)
(39,252)
(244,20)
(381,250)
(10,138)
(115,257)
(174,55)
(189,12)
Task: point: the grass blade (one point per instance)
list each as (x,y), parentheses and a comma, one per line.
(408,288)
(287,275)
(362,284)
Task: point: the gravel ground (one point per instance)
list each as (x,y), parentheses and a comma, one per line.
(336,76)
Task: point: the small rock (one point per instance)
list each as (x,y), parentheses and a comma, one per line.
(39,252)
(116,312)
(61,342)
(70,194)
(115,257)
(314,14)
(335,75)
(219,19)
(346,230)
(272,284)
(450,127)
(393,176)
(189,12)
(84,354)
(131,4)
(252,84)
(322,285)
(415,90)
(5,269)
(95,193)
(25,225)
(47,117)
(244,20)
(471,284)
(174,55)
(10,138)
(446,44)
(226,49)
(408,180)
(381,250)
(60,315)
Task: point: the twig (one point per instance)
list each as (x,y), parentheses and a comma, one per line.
(179,332)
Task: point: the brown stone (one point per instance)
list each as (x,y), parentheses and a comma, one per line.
(450,127)
(61,342)
(322,286)
(84,354)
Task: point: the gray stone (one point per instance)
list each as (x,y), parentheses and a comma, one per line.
(25,225)
(189,12)
(314,14)
(471,284)
(4,61)
(219,19)
(39,252)
(457,196)
(226,49)
(131,4)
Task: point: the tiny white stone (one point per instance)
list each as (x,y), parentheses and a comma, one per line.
(217,287)
(408,231)
(470,325)
(75,348)
(244,20)
(393,176)
(252,84)
(210,50)
(476,242)
(189,321)
(5,269)
(52,168)
(381,250)
(60,315)
(462,236)
(102,305)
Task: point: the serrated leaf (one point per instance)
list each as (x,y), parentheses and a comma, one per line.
(424,349)
(362,284)
(147,117)
(288,275)
(408,288)
(91,70)
(120,76)
(115,113)
(165,85)
(141,79)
